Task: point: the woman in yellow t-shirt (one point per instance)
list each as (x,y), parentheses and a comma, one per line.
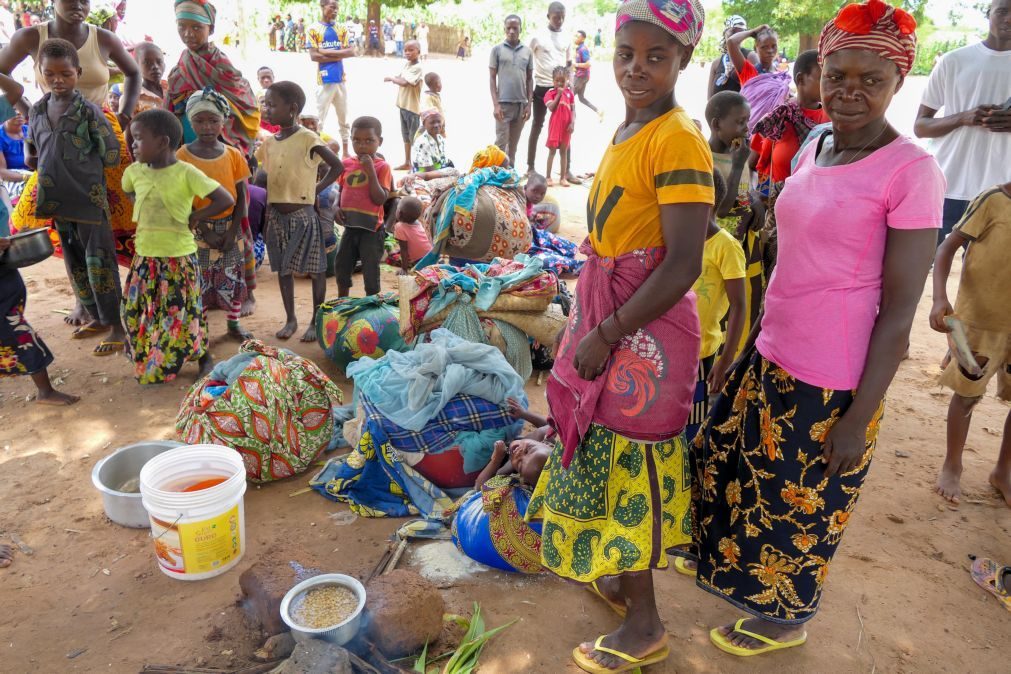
(613,498)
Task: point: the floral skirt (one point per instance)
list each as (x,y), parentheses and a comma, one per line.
(768,520)
(164,316)
(620,506)
(21,350)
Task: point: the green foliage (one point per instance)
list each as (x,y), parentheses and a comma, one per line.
(928,51)
(799,17)
(464,659)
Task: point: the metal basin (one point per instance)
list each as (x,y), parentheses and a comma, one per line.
(338,634)
(120,468)
(27,248)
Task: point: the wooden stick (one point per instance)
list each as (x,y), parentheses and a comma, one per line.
(381,565)
(360,664)
(396,556)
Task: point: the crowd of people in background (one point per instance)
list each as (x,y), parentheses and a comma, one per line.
(745,301)
(366,37)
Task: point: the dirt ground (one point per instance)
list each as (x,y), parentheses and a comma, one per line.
(90,598)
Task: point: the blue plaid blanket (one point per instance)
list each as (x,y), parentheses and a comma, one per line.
(471,423)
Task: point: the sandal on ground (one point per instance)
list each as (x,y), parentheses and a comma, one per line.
(989,575)
(106,348)
(86,331)
(681,567)
(723,643)
(631,663)
(618,607)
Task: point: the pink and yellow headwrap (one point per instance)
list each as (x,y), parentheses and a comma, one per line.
(681,18)
(874,26)
(200,11)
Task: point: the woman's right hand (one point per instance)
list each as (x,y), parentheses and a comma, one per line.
(591,356)
(758,29)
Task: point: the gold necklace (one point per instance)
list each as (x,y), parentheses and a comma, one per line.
(872,140)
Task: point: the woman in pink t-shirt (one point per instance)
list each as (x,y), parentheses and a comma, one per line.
(785,450)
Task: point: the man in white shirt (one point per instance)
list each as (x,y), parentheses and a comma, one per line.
(7,26)
(551,49)
(398,37)
(972,140)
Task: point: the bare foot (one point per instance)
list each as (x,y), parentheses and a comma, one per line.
(248,307)
(768,629)
(948,483)
(573,179)
(632,641)
(551,182)
(56,398)
(239,333)
(79,316)
(310,335)
(287,331)
(564,183)
(403,167)
(206,365)
(1001,481)
(6,556)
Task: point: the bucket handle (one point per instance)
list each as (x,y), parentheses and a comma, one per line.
(169,527)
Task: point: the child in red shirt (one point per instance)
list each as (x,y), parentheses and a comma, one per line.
(560,102)
(365,186)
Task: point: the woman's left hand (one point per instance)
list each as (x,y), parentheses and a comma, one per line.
(591,356)
(845,446)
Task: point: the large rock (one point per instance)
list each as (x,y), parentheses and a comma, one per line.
(264,585)
(404,612)
(316,657)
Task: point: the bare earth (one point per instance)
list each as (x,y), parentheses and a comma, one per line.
(900,598)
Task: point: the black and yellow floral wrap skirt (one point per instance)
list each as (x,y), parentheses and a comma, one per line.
(620,506)
(768,520)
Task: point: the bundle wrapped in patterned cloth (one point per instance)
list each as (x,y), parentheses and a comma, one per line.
(268,404)
(350,328)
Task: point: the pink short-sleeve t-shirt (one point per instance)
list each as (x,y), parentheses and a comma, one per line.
(418,243)
(832,223)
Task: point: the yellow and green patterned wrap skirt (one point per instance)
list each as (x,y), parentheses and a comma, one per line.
(620,506)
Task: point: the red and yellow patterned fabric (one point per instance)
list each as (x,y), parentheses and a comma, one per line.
(276,413)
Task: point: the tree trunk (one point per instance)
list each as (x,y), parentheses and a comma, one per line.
(808,41)
(374,14)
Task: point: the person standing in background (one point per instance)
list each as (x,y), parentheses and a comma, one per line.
(972,141)
(550,50)
(581,72)
(7,27)
(512,71)
(422,37)
(398,37)
(329,45)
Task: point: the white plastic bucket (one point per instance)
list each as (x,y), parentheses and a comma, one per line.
(197,534)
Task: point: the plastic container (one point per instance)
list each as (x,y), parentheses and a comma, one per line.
(338,634)
(201,533)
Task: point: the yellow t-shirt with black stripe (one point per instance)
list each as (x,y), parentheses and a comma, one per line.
(667,162)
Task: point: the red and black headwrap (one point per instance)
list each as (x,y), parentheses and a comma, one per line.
(875,26)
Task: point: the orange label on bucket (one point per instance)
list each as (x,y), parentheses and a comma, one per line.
(198,547)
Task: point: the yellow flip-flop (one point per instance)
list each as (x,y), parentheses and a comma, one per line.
(109,349)
(683,569)
(723,643)
(618,607)
(631,663)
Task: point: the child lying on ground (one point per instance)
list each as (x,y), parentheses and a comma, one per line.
(526,455)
